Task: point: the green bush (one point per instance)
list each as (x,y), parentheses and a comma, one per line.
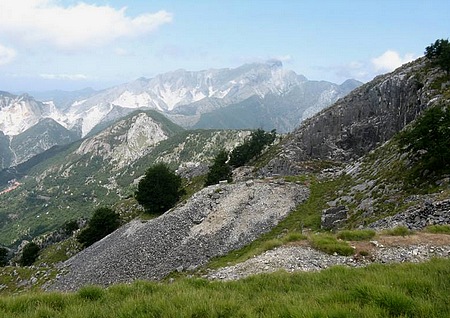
(29,254)
(356,235)
(438,229)
(103,222)
(159,190)
(330,245)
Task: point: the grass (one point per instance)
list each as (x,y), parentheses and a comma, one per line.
(400,290)
(356,235)
(438,229)
(398,231)
(329,244)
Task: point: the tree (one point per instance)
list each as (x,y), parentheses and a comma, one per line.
(429,141)
(159,190)
(3,256)
(439,53)
(30,253)
(251,148)
(103,222)
(220,170)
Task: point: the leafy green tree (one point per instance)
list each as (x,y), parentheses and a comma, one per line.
(159,190)
(251,148)
(220,169)
(29,254)
(103,222)
(429,140)
(439,52)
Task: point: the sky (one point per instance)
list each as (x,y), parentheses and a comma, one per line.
(70,45)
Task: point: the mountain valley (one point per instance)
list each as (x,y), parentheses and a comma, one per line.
(350,167)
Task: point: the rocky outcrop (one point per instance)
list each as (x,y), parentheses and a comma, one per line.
(359,122)
(333,217)
(213,222)
(304,258)
(417,217)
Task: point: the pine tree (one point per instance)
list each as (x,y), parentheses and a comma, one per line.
(159,190)
(220,169)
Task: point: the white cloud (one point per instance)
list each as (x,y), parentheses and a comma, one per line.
(70,77)
(74,27)
(390,60)
(7,55)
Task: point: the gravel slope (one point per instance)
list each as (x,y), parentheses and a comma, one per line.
(213,222)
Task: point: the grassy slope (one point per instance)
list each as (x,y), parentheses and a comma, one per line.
(402,290)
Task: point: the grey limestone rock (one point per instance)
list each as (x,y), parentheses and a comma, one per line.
(213,222)
(357,123)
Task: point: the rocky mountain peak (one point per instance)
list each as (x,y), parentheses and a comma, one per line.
(362,120)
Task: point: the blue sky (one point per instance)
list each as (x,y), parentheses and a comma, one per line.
(66,44)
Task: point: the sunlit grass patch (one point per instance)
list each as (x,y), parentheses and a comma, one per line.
(356,235)
(329,244)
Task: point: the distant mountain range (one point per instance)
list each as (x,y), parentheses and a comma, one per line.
(259,95)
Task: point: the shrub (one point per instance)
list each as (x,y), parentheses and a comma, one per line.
(159,190)
(356,235)
(103,222)
(29,254)
(330,245)
(438,229)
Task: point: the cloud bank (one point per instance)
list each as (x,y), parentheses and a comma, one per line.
(76,27)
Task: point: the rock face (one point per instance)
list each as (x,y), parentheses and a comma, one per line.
(333,217)
(416,218)
(213,222)
(359,122)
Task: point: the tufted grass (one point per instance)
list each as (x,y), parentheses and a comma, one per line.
(438,229)
(399,290)
(356,235)
(398,231)
(329,244)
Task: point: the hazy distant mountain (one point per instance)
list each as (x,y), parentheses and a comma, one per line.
(274,111)
(63,99)
(258,95)
(18,113)
(28,127)
(185,96)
